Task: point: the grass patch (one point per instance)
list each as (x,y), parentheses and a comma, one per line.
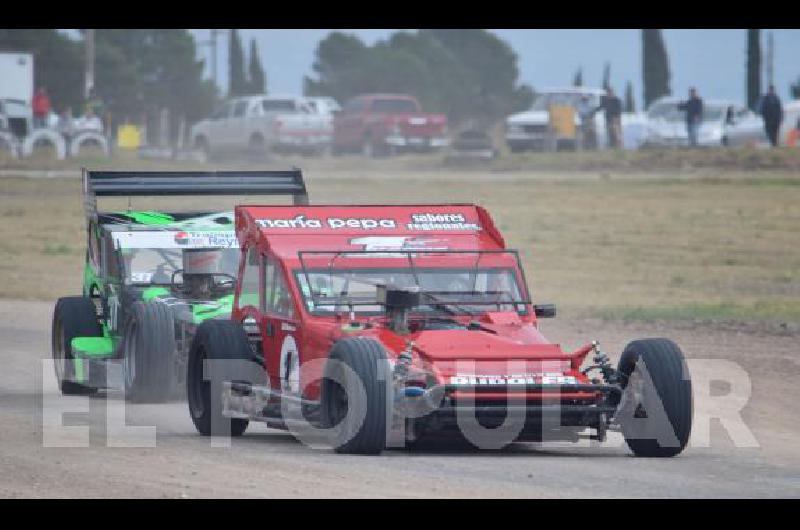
(765,310)
(57,250)
(708,246)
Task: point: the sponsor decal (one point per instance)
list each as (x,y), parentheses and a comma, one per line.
(285,326)
(549,378)
(181,238)
(440,221)
(141,277)
(301,221)
(424,221)
(373,243)
(290,366)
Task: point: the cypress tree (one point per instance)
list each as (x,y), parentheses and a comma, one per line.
(237,83)
(753,75)
(655,66)
(258,82)
(607,76)
(630,104)
(578,79)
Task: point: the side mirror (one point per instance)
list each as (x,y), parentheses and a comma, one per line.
(544,310)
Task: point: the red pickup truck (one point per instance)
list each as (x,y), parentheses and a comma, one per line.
(382,124)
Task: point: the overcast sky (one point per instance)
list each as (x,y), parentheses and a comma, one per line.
(711,59)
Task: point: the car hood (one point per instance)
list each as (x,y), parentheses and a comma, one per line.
(529,117)
(437,345)
(471,352)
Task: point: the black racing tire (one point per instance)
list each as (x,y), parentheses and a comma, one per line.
(666,367)
(256,146)
(149,350)
(217,340)
(74,316)
(368,148)
(364,357)
(201,143)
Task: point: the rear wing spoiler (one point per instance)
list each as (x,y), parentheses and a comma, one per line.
(186,183)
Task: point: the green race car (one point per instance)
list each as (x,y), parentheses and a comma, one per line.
(150,279)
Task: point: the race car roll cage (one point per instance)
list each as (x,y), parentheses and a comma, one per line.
(410,254)
(186,183)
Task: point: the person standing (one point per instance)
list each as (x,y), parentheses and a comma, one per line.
(586,111)
(694,115)
(772,112)
(41,107)
(613,114)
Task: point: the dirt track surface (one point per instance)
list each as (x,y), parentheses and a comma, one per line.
(269,463)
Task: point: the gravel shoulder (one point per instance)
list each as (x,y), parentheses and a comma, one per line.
(270,463)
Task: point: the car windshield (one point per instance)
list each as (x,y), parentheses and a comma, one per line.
(155,266)
(543,101)
(394,105)
(670,112)
(448,290)
(278,105)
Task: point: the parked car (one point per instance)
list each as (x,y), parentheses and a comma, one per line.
(530,130)
(260,124)
(471,144)
(326,106)
(724,123)
(376,124)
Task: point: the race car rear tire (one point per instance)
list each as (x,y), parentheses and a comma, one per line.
(148,366)
(217,340)
(365,357)
(74,316)
(666,367)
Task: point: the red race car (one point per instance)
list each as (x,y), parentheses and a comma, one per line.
(375,326)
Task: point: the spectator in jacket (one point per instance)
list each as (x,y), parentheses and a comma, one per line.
(586,111)
(772,112)
(41,107)
(612,106)
(66,123)
(694,115)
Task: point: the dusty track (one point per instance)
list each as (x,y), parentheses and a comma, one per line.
(268,463)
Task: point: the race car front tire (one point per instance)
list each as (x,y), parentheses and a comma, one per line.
(74,316)
(148,366)
(217,340)
(357,427)
(664,366)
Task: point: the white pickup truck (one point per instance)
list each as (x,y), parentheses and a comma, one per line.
(263,124)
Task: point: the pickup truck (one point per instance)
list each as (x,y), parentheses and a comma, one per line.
(263,124)
(383,124)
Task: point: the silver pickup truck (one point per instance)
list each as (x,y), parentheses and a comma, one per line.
(263,124)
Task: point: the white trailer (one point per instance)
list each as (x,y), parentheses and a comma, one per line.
(16,93)
(16,76)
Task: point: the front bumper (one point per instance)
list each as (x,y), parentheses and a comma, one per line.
(416,141)
(533,407)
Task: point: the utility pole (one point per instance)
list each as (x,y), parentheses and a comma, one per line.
(88,39)
(212,43)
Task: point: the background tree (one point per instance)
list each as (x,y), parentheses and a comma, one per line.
(794,89)
(467,74)
(237,81)
(607,76)
(258,81)
(753,75)
(630,104)
(57,63)
(578,79)
(655,66)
